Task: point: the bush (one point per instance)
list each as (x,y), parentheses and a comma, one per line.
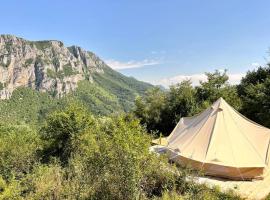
(60,129)
(87,157)
(19,146)
(10,189)
(107,158)
(28,62)
(1,86)
(68,71)
(110,158)
(45,182)
(254,90)
(28,106)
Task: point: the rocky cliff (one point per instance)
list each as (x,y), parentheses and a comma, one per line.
(44,66)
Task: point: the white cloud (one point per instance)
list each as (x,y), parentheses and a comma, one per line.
(118,65)
(158,52)
(255,65)
(235,78)
(195,79)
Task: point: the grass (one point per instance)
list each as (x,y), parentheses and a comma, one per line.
(28,62)
(68,71)
(41,45)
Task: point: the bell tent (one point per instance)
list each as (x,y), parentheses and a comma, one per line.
(221,142)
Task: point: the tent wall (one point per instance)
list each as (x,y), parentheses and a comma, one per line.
(221,142)
(246,173)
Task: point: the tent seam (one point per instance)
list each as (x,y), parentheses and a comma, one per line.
(197,131)
(210,140)
(187,128)
(232,151)
(246,137)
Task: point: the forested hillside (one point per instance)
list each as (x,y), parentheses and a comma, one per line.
(37,77)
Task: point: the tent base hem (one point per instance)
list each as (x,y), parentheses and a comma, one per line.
(209,169)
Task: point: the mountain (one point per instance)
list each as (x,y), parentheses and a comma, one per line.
(48,67)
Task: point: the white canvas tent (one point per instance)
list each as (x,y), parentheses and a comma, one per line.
(221,142)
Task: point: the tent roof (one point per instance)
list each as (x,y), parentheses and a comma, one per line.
(220,135)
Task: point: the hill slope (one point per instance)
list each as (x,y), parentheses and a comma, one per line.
(62,74)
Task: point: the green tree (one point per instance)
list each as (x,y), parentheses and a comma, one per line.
(44,182)
(254,90)
(151,109)
(60,129)
(112,161)
(182,101)
(217,86)
(161,110)
(19,146)
(97,158)
(10,189)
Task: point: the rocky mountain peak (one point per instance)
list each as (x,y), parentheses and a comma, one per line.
(44,65)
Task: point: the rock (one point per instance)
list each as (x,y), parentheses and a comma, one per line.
(47,66)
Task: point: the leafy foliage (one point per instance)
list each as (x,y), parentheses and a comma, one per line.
(151,109)
(88,157)
(28,62)
(254,91)
(55,74)
(68,71)
(10,189)
(41,45)
(60,129)
(96,99)
(18,150)
(27,106)
(160,110)
(126,89)
(217,86)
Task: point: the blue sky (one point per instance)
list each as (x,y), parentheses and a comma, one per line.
(159,41)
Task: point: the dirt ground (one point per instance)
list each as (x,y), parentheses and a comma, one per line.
(256,189)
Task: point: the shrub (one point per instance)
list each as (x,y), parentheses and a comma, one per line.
(10,189)
(45,182)
(1,86)
(68,71)
(41,45)
(60,129)
(28,62)
(109,158)
(87,157)
(18,150)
